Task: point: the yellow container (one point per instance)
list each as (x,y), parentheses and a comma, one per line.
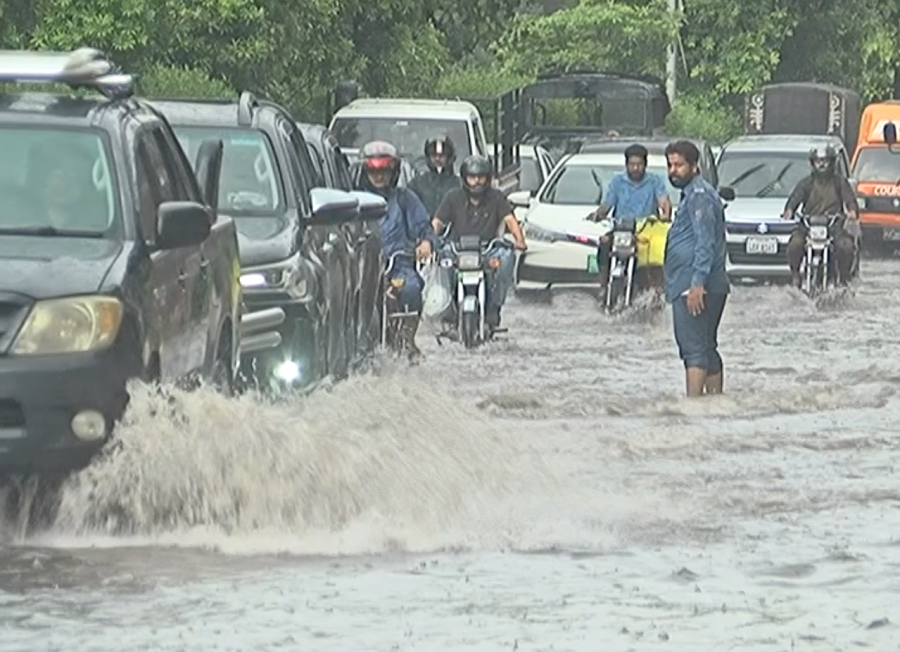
(651,242)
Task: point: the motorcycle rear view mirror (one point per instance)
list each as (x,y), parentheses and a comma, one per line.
(889,131)
(726,193)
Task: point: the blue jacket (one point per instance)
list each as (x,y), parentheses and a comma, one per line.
(403,232)
(695,247)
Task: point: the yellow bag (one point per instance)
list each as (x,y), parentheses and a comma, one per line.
(651,242)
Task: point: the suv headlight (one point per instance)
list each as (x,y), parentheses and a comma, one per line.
(284,276)
(70,325)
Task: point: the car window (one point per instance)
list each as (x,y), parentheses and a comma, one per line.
(249,183)
(479,136)
(61,178)
(582,184)
(408,135)
(318,166)
(762,174)
(530,176)
(877,164)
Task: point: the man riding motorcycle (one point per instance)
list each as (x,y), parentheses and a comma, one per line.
(824,192)
(439,179)
(479,209)
(631,195)
(405,227)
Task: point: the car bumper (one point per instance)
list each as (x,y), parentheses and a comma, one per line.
(39,397)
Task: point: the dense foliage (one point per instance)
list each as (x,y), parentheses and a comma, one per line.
(296,51)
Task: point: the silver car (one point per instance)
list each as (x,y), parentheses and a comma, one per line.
(763,171)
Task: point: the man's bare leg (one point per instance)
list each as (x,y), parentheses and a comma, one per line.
(714,382)
(695,381)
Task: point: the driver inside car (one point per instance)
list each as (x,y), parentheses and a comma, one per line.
(67,191)
(477,209)
(824,192)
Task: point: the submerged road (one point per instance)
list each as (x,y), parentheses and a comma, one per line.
(550,492)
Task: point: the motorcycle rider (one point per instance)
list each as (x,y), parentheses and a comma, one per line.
(439,179)
(632,194)
(405,226)
(824,192)
(479,209)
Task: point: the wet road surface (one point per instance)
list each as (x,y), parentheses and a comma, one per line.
(550,492)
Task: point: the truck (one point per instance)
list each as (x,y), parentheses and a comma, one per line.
(875,171)
(803,108)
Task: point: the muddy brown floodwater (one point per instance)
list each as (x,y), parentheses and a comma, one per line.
(550,492)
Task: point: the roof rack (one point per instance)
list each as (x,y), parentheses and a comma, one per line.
(82,68)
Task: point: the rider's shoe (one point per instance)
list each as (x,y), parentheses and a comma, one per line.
(796,280)
(408,335)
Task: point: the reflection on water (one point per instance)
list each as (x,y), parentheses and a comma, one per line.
(546,492)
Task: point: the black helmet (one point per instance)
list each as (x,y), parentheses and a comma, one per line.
(823,159)
(440,145)
(476,166)
(379,155)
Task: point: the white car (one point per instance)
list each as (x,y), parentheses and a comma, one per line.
(573,190)
(763,171)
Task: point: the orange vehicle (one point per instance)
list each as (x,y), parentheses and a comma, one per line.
(876,172)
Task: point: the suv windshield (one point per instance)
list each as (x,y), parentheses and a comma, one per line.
(763,174)
(877,164)
(57,181)
(582,184)
(249,183)
(408,135)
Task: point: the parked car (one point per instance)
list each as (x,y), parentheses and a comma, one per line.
(333,171)
(116,265)
(763,171)
(293,241)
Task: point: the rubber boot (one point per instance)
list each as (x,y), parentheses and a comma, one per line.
(408,337)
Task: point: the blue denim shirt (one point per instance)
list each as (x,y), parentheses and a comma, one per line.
(695,247)
(399,234)
(630,200)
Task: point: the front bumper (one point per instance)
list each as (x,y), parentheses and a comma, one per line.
(39,396)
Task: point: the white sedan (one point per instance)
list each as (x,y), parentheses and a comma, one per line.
(573,190)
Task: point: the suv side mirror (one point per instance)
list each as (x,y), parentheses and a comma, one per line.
(519,199)
(889,131)
(182,224)
(330,206)
(372,207)
(726,193)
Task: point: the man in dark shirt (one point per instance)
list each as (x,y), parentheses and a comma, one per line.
(439,179)
(824,192)
(478,209)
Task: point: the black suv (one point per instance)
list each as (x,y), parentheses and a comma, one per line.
(115,266)
(333,171)
(295,250)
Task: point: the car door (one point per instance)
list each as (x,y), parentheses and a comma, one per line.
(168,314)
(206,304)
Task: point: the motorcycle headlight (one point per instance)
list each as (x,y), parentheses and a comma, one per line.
(623,240)
(284,276)
(469,260)
(818,232)
(70,325)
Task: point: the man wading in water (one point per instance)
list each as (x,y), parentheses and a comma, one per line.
(696,283)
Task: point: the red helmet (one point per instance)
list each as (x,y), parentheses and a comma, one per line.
(379,155)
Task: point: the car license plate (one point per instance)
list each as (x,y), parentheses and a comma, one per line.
(768,246)
(891,234)
(593,266)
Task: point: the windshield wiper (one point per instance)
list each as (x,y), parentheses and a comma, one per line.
(49,232)
(769,187)
(746,173)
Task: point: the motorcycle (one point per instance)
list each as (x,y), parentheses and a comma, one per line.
(622,265)
(818,270)
(469,256)
(394,316)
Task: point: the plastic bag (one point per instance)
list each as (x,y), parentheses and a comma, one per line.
(438,292)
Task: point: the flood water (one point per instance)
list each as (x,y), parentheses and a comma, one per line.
(552,491)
